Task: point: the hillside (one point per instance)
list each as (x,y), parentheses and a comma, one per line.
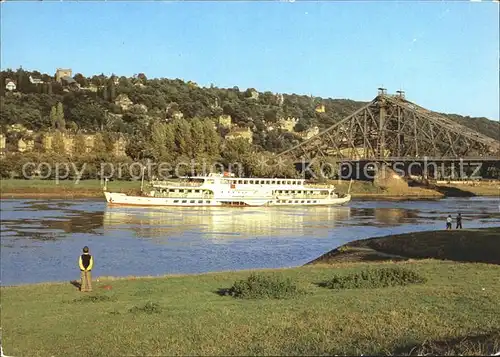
(92,119)
(98,103)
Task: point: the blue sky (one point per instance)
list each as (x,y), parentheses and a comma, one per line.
(444,54)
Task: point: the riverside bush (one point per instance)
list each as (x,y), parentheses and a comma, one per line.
(375,278)
(259,286)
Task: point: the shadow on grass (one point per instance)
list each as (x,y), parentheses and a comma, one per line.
(223,292)
(149,307)
(358,255)
(94,299)
(76,284)
(478,345)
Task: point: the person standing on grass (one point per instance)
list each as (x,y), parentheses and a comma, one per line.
(86,262)
(459,220)
(448,222)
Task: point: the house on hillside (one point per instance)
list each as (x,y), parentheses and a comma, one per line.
(119,147)
(10,85)
(70,83)
(25,145)
(280,99)
(288,124)
(320,108)
(225,121)
(3,142)
(63,72)
(35,80)
(245,133)
(124,102)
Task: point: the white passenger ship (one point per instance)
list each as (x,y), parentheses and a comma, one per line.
(224,190)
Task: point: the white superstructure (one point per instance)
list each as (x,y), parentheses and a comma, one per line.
(225,190)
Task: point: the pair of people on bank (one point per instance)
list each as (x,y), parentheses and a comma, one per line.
(449,221)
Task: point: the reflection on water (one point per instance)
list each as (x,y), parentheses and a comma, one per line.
(41,239)
(219,223)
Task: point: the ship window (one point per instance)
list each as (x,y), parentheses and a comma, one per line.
(302,201)
(207,201)
(314,201)
(308,201)
(296,201)
(245,182)
(290,201)
(288,182)
(200,201)
(176,201)
(251,182)
(238,182)
(184,201)
(192,201)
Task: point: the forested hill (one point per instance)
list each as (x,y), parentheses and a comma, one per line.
(131,105)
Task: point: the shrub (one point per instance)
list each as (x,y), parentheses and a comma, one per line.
(148,308)
(259,286)
(375,278)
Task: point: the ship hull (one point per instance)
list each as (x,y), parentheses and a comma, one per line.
(122,199)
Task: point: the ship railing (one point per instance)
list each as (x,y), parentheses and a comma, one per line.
(164,184)
(183,195)
(302,196)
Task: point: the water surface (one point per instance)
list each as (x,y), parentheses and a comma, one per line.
(41,239)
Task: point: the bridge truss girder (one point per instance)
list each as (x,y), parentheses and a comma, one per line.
(390,128)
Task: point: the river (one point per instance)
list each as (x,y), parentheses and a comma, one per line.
(42,239)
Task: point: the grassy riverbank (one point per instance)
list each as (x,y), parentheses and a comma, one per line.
(453,310)
(13,188)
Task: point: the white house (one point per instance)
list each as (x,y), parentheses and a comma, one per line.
(10,86)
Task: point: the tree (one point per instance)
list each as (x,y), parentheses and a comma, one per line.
(199,140)
(80,145)
(104,93)
(111,90)
(183,139)
(58,143)
(53,117)
(212,139)
(61,122)
(81,80)
(162,139)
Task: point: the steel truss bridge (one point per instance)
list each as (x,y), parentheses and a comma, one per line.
(392,129)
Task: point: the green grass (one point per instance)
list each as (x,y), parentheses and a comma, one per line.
(65,188)
(375,278)
(185,315)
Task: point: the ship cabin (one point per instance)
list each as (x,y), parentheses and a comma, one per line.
(185,188)
(206,187)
